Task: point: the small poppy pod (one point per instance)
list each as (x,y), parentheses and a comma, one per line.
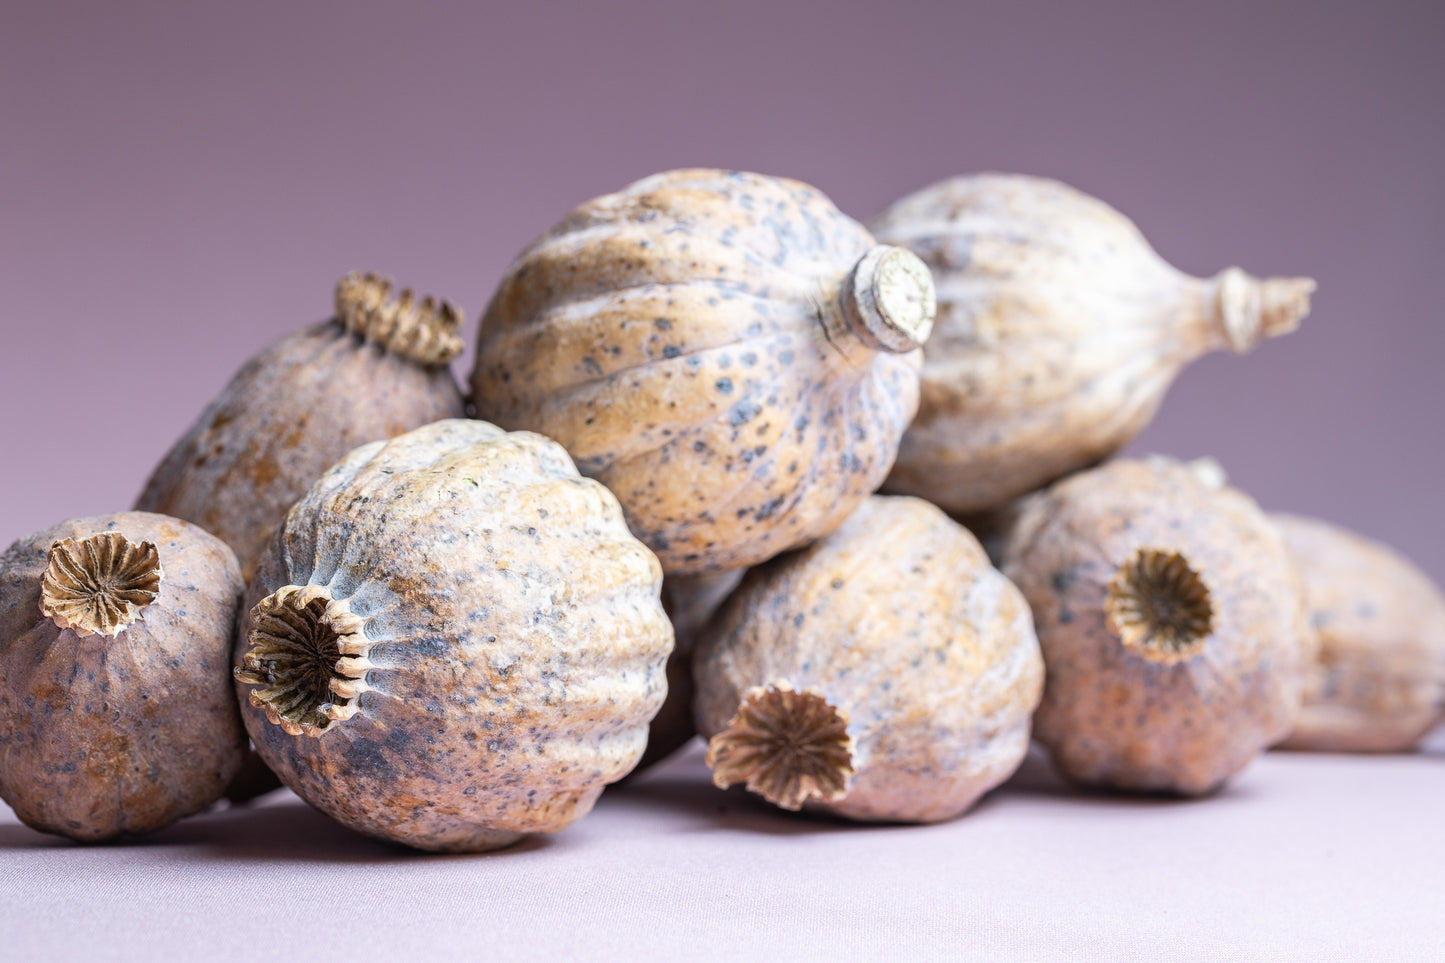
(729,353)
(1059,330)
(886,672)
(453,640)
(116,710)
(375,370)
(1378,681)
(1172,624)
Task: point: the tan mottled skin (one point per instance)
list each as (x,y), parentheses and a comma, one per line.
(898,619)
(100,736)
(288,415)
(684,339)
(1378,684)
(520,640)
(1059,329)
(1117,718)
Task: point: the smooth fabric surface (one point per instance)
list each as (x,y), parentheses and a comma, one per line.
(1302,857)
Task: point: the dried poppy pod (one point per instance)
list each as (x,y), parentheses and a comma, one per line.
(1059,331)
(1378,681)
(116,709)
(453,641)
(886,672)
(375,370)
(1172,624)
(730,354)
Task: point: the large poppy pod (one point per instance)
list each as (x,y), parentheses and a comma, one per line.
(729,353)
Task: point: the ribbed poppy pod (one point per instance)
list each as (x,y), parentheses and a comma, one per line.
(730,354)
(453,641)
(1059,330)
(1172,623)
(886,672)
(116,709)
(375,370)
(1377,683)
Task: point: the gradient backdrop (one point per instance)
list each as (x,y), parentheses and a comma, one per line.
(181,183)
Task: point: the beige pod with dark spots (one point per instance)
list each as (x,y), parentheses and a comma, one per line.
(453,641)
(1378,681)
(116,709)
(1172,624)
(375,370)
(1059,330)
(884,673)
(729,353)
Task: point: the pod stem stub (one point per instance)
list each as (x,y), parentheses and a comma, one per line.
(425,332)
(889,300)
(1250,309)
(308,659)
(788,746)
(101,584)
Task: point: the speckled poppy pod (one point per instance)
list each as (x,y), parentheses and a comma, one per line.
(1059,330)
(453,640)
(730,354)
(886,672)
(1378,681)
(116,710)
(1172,623)
(376,369)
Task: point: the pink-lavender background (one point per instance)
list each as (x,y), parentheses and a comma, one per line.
(181,183)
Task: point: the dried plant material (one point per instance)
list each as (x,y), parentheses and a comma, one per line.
(307,659)
(885,673)
(1059,330)
(787,746)
(100,584)
(1159,606)
(117,715)
(891,302)
(1377,683)
(425,331)
(374,371)
(1172,624)
(734,334)
(453,640)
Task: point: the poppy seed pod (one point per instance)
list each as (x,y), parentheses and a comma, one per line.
(375,370)
(729,353)
(1378,681)
(116,710)
(886,672)
(1059,330)
(1172,624)
(453,640)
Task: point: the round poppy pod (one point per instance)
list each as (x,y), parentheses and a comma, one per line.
(1378,681)
(1172,623)
(283,420)
(1059,331)
(886,672)
(453,640)
(729,353)
(116,709)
